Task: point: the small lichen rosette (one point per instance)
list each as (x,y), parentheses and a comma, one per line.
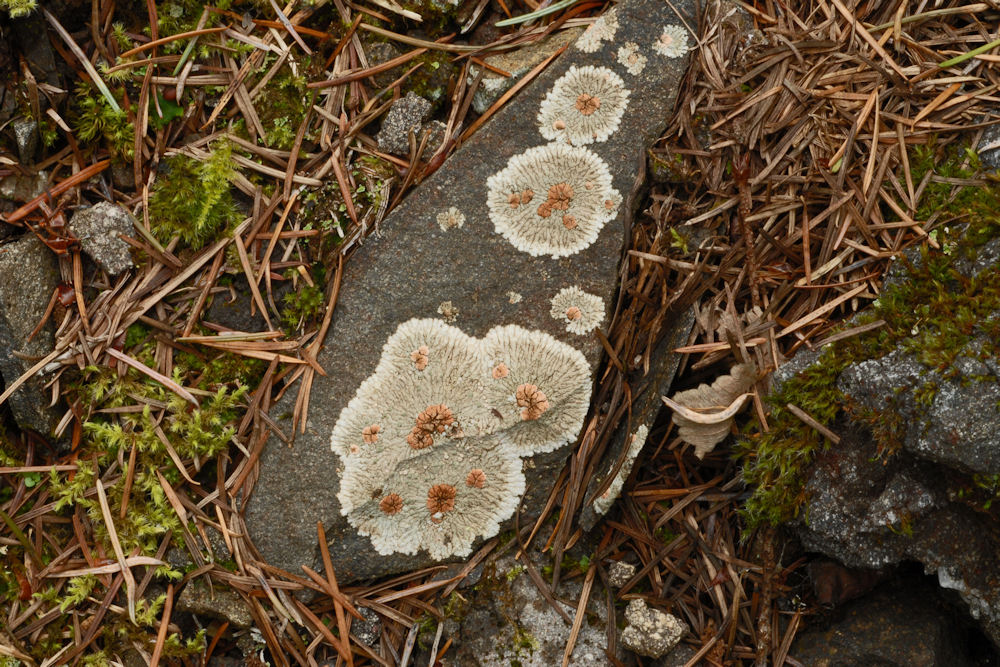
(431,444)
(673,42)
(552,199)
(586,104)
(581,311)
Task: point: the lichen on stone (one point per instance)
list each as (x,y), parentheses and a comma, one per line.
(630,58)
(450,219)
(579,199)
(601,30)
(673,42)
(582,312)
(586,104)
(650,632)
(431,458)
(636,442)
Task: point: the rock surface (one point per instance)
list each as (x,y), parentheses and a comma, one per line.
(220,603)
(30,276)
(413,267)
(904,624)
(507,621)
(406,115)
(99,228)
(650,632)
(930,498)
(517,63)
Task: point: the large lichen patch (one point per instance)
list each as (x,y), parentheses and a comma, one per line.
(431,452)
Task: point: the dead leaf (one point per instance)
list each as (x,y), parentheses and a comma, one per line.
(703,414)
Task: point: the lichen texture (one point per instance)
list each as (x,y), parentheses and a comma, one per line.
(631,59)
(586,104)
(450,219)
(673,42)
(431,456)
(638,439)
(600,31)
(582,312)
(552,199)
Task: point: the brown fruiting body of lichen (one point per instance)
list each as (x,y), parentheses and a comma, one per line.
(391,504)
(569,222)
(532,400)
(441,498)
(420,357)
(435,419)
(370,434)
(559,125)
(587,104)
(527,195)
(476,478)
(500,371)
(560,195)
(574,313)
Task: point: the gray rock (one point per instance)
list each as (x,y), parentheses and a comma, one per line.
(869,513)
(99,229)
(23,187)
(221,603)
(413,266)
(905,624)
(369,630)
(30,276)
(507,621)
(651,632)
(989,147)
(405,115)
(620,573)
(958,428)
(517,63)
(26,137)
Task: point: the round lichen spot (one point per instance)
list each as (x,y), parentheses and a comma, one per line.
(500,371)
(588,104)
(391,504)
(450,219)
(370,434)
(672,42)
(630,58)
(575,182)
(441,499)
(476,478)
(420,357)
(581,311)
(532,401)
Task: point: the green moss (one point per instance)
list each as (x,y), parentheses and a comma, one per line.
(94,119)
(17,8)
(935,314)
(193,199)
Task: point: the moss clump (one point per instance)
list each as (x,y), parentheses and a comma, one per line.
(935,314)
(18,8)
(193,199)
(95,119)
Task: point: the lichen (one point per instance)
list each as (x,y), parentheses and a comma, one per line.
(450,219)
(636,442)
(601,30)
(582,312)
(630,58)
(579,199)
(673,42)
(432,457)
(585,105)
